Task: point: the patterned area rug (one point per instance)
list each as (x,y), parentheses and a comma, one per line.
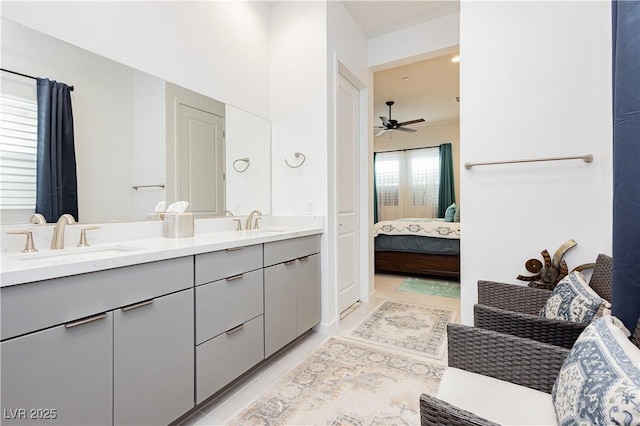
(432,287)
(415,328)
(346,383)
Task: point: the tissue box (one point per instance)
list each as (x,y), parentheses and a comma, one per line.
(178,225)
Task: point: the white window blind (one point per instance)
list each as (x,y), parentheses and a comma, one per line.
(18,145)
(407,183)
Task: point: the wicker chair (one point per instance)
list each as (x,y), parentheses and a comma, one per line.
(521,361)
(513,359)
(513,309)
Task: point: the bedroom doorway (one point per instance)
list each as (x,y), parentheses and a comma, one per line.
(347,142)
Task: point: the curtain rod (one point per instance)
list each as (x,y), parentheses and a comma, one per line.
(25,75)
(410,149)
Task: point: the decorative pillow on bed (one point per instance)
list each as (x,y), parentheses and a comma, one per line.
(573,300)
(599,382)
(449,213)
(456,217)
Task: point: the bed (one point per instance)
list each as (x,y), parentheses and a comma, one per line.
(418,246)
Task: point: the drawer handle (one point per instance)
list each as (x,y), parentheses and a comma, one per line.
(304,258)
(291,262)
(235,277)
(137,305)
(235,248)
(235,329)
(85,320)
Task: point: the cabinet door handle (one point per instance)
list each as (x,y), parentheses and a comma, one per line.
(137,305)
(234,329)
(235,277)
(291,262)
(85,320)
(235,248)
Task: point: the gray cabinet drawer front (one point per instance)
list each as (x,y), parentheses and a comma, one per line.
(34,306)
(221,264)
(221,360)
(285,250)
(224,304)
(66,369)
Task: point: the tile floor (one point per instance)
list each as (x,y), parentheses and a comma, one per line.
(232,402)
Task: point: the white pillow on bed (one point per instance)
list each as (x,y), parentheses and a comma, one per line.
(456,217)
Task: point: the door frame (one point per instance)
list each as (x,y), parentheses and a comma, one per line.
(364,254)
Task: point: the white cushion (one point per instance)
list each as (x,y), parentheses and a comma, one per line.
(573,300)
(599,382)
(496,400)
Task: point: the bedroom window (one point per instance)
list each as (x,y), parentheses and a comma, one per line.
(407,183)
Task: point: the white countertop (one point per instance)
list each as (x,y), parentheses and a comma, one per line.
(20,268)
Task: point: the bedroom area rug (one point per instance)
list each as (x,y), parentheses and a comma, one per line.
(418,329)
(345,382)
(431,286)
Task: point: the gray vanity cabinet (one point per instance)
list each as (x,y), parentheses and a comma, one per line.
(229,317)
(280,302)
(308,312)
(76,346)
(291,290)
(59,376)
(153,360)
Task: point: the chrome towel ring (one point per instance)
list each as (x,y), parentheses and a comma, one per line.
(297,155)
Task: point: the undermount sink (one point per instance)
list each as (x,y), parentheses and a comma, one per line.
(264,231)
(77,252)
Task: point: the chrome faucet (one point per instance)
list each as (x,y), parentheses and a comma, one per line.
(250,217)
(57,242)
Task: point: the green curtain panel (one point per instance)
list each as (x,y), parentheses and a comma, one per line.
(447,190)
(375,192)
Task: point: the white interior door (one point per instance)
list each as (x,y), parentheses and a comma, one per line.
(347,167)
(201,162)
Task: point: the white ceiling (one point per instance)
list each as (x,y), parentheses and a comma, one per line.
(433,86)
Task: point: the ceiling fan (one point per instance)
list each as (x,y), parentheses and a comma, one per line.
(388,124)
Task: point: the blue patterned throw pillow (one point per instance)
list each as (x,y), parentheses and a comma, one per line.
(573,300)
(449,213)
(599,382)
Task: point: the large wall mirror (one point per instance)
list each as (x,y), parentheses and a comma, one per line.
(125,135)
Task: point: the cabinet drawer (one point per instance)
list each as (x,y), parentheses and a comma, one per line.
(282,251)
(224,304)
(221,360)
(226,263)
(34,306)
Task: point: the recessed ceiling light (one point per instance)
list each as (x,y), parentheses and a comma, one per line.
(405,78)
(455,58)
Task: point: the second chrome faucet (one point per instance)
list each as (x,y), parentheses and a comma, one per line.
(250,218)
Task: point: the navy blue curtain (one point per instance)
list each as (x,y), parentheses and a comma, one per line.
(56,179)
(375,191)
(626,162)
(446,190)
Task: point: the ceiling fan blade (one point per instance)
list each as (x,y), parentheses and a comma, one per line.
(386,122)
(405,123)
(406,129)
(381,132)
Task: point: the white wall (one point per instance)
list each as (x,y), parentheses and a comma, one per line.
(416,43)
(430,135)
(299,106)
(219,49)
(535,82)
(347,54)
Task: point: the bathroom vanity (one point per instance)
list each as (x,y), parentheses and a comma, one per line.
(144,333)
